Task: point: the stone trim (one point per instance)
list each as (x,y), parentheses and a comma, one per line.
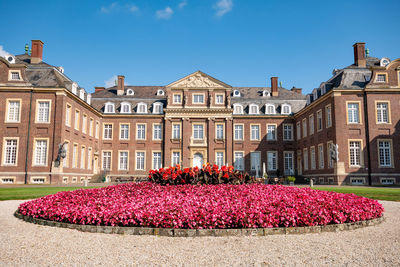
(202,232)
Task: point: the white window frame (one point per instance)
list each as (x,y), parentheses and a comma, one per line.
(140,162)
(255,133)
(270,109)
(287,131)
(385,153)
(42,113)
(175,99)
(238,132)
(198,131)
(353,112)
(313,158)
(382,114)
(176,131)
(40,155)
(220,158)
(156,160)
(254,109)
(219,99)
(219,131)
(289,107)
(272,160)
(355,151)
(124,131)
(10,151)
(321,155)
(106,160)
(141,131)
(271,132)
(157,133)
(16,113)
(123,160)
(197,97)
(237,109)
(175,158)
(109,107)
(158,108)
(108,131)
(141,108)
(125,108)
(239,160)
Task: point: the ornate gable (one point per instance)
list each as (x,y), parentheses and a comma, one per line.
(198,80)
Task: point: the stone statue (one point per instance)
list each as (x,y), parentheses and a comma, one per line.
(62,153)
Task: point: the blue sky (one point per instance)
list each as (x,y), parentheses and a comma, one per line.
(242,43)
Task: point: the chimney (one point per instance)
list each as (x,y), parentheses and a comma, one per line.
(296,90)
(37,51)
(274,86)
(98,89)
(120,86)
(359,55)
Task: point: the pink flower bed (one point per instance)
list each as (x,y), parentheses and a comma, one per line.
(202,206)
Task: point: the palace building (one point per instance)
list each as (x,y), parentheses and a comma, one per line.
(347,131)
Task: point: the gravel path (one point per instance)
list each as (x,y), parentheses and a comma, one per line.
(26,244)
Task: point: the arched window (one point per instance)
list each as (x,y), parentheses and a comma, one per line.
(141,108)
(266,93)
(125,107)
(236,93)
(130,92)
(270,109)
(109,108)
(160,92)
(237,109)
(286,109)
(74,88)
(82,94)
(253,109)
(157,108)
(89,99)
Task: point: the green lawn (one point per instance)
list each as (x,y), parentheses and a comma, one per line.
(381,193)
(9,193)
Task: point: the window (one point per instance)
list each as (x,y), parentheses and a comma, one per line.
(304,128)
(140,156)
(130,92)
(319,120)
(353,113)
(237,109)
(272,160)
(239,161)
(287,132)
(255,161)
(82,94)
(220,159)
(176,131)
(38,180)
(270,109)
(157,160)
(15,76)
(97,129)
(157,134)
(321,156)
(13,112)
(329,154)
(10,151)
(140,131)
(89,99)
(84,123)
(124,131)
(305,155)
(41,152)
(68,115)
(198,99)
(77,118)
(66,159)
(107,131)
(387,181)
(328,113)
(109,108)
(238,131)
(271,132)
(265,93)
(219,99)
(83,156)
(380,78)
(91,127)
(357,181)
(157,108)
(236,93)
(253,109)
(141,108)
(220,131)
(123,160)
(286,109)
(355,153)
(7,180)
(75,156)
(198,131)
(176,158)
(255,132)
(74,88)
(312,154)
(160,92)
(298,130)
(106,160)
(89,160)
(125,108)
(382,114)
(288,157)
(385,153)
(177,99)
(311,123)
(43,111)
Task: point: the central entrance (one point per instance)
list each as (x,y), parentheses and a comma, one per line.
(198,160)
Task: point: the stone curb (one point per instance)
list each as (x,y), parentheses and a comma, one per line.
(203,232)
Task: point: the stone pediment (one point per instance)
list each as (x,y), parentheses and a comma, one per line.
(198,80)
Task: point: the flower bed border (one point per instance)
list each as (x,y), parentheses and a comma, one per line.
(172,232)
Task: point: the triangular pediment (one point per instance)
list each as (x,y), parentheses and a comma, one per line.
(198,79)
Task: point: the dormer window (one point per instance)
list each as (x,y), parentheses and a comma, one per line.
(265,93)
(380,78)
(82,94)
(237,109)
(74,88)
(253,109)
(89,99)
(157,108)
(141,108)
(286,109)
(125,107)
(315,94)
(130,92)
(109,108)
(14,75)
(160,92)
(236,93)
(270,109)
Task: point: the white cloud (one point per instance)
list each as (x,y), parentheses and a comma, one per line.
(3,53)
(133,8)
(182,4)
(223,7)
(110,82)
(116,7)
(165,13)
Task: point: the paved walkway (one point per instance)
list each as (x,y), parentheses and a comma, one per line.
(26,244)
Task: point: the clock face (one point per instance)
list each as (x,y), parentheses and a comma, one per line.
(384,62)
